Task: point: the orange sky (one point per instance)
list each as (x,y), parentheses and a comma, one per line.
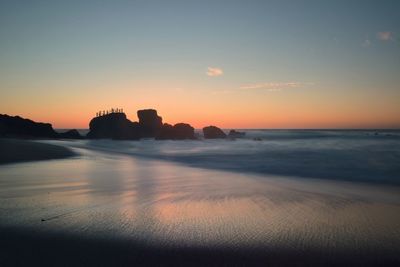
(233,108)
(238,65)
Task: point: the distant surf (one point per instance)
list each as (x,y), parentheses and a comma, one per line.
(351,155)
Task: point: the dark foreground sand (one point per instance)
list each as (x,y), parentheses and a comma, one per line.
(13,150)
(32,248)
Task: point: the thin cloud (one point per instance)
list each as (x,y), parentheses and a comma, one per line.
(275,86)
(214,72)
(385,36)
(366,43)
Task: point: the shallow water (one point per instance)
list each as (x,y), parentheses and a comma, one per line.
(117,196)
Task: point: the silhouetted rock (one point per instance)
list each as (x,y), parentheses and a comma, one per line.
(179,131)
(236,134)
(166,132)
(184,131)
(115,126)
(150,123)
(19,127)
(213,132)
(71,134)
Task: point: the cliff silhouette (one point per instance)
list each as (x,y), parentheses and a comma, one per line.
(11,126)
(17,127)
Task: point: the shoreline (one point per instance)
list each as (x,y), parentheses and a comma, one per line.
(121,210)
(17,150)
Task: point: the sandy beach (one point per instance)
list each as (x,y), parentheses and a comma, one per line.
(113,209)
(17,150)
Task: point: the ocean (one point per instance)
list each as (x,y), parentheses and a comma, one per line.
(353,155)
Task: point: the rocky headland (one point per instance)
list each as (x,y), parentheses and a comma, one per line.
(15,126)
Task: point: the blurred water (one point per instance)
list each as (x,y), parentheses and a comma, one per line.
(364,156)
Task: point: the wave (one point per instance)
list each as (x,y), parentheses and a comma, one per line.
(362,156)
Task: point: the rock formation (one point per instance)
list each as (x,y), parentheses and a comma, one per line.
(179,131)
(71,134)
(213,132)
(111,125)
(166,132)
(150,123)
(114,126)
(183,131)
(117,126)
(236,134)
(19,127)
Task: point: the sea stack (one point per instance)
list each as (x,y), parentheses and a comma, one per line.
(150,123)
(236,134)
(179,131)
(114,126)
(213,132)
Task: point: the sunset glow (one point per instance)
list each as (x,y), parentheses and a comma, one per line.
(237,65)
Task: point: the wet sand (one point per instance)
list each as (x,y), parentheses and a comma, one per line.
(26,248)
(16,150)
(109,209)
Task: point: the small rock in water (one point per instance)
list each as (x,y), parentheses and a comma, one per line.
(236,134)
(213,132)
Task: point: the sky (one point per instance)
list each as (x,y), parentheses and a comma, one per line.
(234,64)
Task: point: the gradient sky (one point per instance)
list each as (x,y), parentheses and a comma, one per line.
(239,64)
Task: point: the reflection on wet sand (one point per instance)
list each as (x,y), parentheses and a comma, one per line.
(163,204)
